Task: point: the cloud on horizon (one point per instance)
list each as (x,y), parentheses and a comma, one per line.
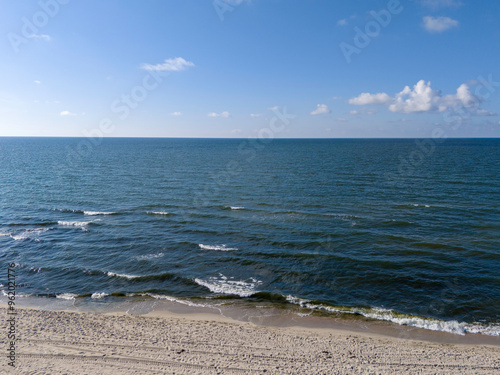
(422,98)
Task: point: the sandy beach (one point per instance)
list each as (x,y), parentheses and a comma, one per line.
(63,342)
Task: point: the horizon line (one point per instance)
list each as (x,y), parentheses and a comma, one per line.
(235,138)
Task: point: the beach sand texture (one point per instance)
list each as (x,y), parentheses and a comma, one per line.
(60,342)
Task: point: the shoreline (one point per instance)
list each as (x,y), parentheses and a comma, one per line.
(266,315)
(61,341)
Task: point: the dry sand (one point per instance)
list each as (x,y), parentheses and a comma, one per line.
(61,342)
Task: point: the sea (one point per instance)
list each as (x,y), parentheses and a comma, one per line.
(399,230)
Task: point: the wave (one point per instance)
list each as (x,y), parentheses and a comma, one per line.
(28,234)
(67,210)
(410,205)
(216,247)
(88,213)
(225,285)
(149,256)
(157,277)
(173,299)
(99,295)
(234,207)
(158,213)
(39,224)
(130,277)
(451,326)
(67,296)
(96,213)
(80,224)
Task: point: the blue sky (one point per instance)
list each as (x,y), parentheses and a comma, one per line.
(227,68)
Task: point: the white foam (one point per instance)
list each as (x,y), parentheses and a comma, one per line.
(226,285)
(112,274)
(28,233)
(80,224)
(160,213)
(451,326)
(173,299)
(18,295)
(150,256)
(99,295)
(68,296)
(217,247)
(96,213)
(236,208)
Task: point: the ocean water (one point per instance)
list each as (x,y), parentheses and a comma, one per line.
(387,229)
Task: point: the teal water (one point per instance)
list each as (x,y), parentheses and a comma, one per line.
(382,228)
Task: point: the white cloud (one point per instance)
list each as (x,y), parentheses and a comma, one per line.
(342,22)
(321,109)
(176,114)
(275,108)
(170,65)
(255,115)
(37,81)
(366,98)
(439,24)
(421,98)
(67,113)
(435,4)
(45,37)
(224,114)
